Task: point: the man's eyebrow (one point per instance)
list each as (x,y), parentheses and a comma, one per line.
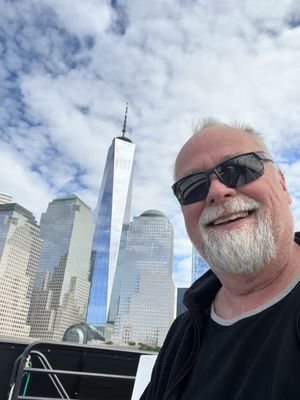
(224,158)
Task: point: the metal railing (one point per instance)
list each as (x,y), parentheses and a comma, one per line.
(23,372)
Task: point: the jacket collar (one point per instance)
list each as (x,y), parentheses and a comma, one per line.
(203,290)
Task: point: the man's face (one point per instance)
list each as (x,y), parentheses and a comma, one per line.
(236,229)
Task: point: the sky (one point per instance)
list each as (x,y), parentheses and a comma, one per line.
(68,68)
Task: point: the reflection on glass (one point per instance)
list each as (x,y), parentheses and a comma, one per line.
(199,265)
(142,305)
(61,287)
(113,213)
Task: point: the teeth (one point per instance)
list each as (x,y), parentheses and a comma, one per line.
(231,217)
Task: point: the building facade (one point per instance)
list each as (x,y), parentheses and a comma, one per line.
(143,301)
(199,265)
(61,287)
(20,248)
(112,217)
(180,307)
(5,198)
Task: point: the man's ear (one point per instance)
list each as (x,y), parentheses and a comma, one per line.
(283,184)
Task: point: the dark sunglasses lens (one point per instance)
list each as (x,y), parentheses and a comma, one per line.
(234,173)
(192,189)
(241,170)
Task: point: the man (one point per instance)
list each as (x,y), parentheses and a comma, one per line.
(239,338)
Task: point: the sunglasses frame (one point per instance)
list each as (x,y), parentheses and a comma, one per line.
(260,155)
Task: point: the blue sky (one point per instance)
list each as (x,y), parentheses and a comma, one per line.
(68,68)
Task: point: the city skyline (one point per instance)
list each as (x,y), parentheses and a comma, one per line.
(58,287)
(69,68)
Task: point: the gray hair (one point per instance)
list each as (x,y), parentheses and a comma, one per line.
(210,122)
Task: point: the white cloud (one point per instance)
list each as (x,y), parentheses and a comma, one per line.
(66,76)
(27,187)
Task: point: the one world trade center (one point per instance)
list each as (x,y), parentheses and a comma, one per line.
(112,216)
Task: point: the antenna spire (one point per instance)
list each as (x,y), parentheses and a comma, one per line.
(125,121)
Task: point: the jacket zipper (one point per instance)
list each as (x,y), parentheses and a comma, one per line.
(197,322)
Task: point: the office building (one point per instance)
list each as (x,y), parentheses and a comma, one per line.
(112,217)
(145,292)
(5,198)
(199,265)
(20,248)
(61,287)
(180,308)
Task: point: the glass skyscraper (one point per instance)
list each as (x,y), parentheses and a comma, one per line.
(61,288)
(112,217)
(143,302)
(180,308)
(199,265)
(20,249)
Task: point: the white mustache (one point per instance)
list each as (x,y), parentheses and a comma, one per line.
(229,206)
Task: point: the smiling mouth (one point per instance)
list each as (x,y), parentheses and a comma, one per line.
(227,219)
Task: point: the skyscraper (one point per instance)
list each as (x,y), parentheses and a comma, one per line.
(61,287)
(199,265)
(180,307)
(20,247)
(146,292)
(112,217)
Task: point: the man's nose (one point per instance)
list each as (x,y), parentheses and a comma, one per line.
(218,191)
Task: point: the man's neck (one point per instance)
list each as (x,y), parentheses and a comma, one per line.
(242,293)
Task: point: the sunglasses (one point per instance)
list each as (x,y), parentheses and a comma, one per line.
(235,172)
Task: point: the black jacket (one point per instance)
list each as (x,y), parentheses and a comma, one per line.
(182,344)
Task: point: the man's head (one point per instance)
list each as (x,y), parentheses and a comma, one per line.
(237,212)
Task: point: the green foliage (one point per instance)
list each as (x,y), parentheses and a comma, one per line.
(146,347)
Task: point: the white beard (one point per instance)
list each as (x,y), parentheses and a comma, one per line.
(243,250)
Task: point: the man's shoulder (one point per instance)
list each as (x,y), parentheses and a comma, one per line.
(180,322)
(202,291)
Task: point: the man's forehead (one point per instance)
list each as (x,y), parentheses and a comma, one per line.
(212,146)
